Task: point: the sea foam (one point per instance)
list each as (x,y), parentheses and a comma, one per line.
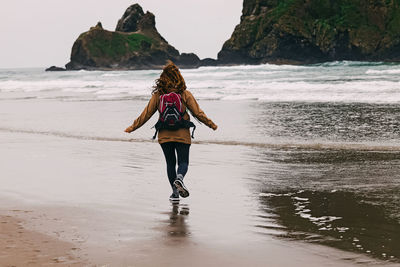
(346,81)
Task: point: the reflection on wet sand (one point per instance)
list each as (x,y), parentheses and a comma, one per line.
(344,199)
(176,227)
(343,220)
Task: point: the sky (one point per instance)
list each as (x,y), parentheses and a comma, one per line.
(40,33)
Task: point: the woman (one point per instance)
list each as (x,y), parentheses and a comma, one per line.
(171,82)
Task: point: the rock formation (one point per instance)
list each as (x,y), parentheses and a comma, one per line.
(136,44)
(270,31)
(130,19)
(55,68)
(311,31)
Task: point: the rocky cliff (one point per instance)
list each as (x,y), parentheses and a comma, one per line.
(136,44)
(311,31)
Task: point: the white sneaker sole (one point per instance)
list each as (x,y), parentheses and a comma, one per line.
(183,192)
(174,199)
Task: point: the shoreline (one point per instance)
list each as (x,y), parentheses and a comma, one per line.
(282,145)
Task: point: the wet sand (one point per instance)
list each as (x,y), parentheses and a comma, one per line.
(259,196)
(22,247)
(46,245)
(94,203)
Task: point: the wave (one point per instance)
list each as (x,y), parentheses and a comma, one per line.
(278,146)
(348,63)
(390,71)
(367,82)
(250,67)
(76,86)
(45,85)
(113,74)
(72,136)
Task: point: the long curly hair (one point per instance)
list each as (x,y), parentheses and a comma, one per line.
(170,80)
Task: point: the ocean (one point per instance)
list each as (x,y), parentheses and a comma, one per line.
(310,153)
(336,82)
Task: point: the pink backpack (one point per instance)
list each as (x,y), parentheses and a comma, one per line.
(171,114)
(171,110)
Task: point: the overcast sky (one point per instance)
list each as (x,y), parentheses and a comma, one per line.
(40,33)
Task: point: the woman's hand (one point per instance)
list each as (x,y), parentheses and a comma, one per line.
(129,129)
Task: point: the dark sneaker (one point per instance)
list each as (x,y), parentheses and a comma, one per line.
(183,192)
(174,197)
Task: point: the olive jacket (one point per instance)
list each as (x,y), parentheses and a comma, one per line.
(181,135)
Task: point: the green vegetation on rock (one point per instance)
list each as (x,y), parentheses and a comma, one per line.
(118,44)
(282,8)
(136,44)
(308,31)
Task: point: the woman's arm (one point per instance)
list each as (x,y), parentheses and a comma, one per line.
(148,111)
(195,109)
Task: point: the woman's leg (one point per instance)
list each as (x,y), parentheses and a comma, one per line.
(183,163)
(170,157)
(183,158)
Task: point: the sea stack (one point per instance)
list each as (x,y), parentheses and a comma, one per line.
(312,31)
(135,44)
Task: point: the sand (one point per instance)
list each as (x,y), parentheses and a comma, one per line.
(65,208)
(22,247)
(75,193)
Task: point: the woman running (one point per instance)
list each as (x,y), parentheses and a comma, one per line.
(172,100)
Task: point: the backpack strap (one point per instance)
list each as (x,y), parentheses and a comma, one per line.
(194,128)
(157,127)
(155,134)
(189,124)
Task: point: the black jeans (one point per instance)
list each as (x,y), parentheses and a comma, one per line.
(182,152)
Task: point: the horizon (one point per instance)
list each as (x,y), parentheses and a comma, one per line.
(32,36)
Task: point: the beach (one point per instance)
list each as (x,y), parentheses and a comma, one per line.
(281,182)
(91,212)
